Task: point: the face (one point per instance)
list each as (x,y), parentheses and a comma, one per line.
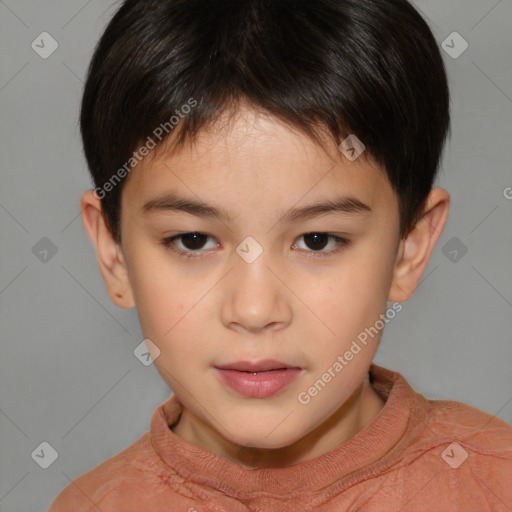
(265,278)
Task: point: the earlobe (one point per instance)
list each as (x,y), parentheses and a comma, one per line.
(110,258)
(415,250)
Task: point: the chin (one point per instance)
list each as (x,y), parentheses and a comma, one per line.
(259,436)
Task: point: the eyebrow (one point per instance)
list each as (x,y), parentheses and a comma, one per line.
(172,202)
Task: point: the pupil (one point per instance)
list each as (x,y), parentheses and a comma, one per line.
(193,241)
(314,240)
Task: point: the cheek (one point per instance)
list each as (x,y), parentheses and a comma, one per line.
(165,312)
(356,285)
(352,300)
(162,297)
(371,271)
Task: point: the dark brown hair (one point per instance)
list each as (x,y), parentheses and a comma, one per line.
(366,67)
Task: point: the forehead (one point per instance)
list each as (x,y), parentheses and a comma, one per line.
(250,159)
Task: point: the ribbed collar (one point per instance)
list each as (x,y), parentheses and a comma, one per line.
(364,455)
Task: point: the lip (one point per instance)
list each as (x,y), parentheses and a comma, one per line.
(259,379)
(257,366)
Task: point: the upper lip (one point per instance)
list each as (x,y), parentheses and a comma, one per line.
(257,366)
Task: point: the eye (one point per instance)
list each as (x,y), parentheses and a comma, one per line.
(193,244)
(318,241)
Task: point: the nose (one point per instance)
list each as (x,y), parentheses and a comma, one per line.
(256,297)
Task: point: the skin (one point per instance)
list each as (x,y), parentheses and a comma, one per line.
(290,304)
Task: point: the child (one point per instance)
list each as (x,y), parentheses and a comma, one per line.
(299,142)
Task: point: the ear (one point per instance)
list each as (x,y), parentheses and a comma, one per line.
(110,256)
(416,248)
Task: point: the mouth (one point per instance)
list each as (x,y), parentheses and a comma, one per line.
(256,367)
(259,379)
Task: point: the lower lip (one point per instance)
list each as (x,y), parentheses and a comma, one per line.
(261,385)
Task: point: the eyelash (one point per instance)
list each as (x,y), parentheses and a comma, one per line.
(169,243)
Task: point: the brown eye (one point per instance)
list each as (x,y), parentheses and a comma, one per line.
(192,244)
(316,241)
(193,241)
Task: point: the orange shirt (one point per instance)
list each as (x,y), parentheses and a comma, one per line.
(416,455)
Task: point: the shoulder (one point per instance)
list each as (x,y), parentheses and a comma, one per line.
(461,456)
(88,492)
(481,431)
(482,438)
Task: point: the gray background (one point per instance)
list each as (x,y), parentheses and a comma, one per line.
(68,375)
